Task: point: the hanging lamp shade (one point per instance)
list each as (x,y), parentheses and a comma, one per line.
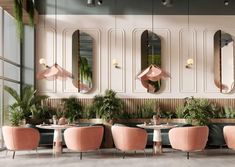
(54,72)
(152,73)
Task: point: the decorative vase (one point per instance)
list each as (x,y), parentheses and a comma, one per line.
(62,121)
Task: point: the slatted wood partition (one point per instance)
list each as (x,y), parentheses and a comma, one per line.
(132,103)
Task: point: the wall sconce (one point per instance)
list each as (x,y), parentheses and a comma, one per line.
(42,61)
(226,3)
(115,63)
(189,63)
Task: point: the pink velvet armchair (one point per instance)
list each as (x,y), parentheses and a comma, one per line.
(20,138)
(189,139)
(83,139)
(129,138)
(229,136)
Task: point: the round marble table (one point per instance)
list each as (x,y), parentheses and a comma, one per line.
(57,139)
(157,137)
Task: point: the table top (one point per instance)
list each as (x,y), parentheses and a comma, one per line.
(161,126)
(42,126)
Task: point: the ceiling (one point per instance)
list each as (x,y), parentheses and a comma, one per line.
(137,7)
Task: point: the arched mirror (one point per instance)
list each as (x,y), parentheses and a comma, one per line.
(151,55)
(223,61)
(82,57)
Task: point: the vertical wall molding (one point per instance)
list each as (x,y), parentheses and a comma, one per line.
(95,33)
(42,51)
(190,72)
(113,75)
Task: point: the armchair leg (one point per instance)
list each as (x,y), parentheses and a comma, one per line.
(123,156)
(6,152)
(80,155)
(145,153)
(187,155)
(13,156)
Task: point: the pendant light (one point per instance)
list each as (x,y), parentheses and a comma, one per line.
(55,71)
(189,62)
(114,61)
(152,72)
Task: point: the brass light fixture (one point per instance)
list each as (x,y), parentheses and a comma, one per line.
(55,71)
(190,61)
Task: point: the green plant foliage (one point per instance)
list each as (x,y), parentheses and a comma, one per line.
(89,112)
(15,116)
(18,13)
(196,111)
(108,107)
(73,109)
(179,111)
(168,114)
(229,112)
(30,9)
(85,70)
(147,110)
(28,102)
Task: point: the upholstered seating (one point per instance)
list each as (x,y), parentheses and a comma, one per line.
(129,138)
(189,139)
(83,139)
(20,138)
(229,136)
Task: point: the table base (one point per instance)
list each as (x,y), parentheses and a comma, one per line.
(57,148)
(157,147)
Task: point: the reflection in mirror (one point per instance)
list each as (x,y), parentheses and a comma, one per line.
(82,53)
(223,61)
(151,55)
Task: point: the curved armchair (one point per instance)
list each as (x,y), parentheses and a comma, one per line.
(189,139)
(229,136)
(129,138)
(83,139)
(20,138)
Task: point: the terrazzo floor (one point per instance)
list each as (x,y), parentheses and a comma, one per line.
(108,158)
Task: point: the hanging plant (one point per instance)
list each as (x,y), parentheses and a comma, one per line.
(18,14)
(30,9)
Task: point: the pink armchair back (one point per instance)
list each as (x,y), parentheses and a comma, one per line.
(84,138)
(229,136)
(128,138)
(20,138)
(189,138)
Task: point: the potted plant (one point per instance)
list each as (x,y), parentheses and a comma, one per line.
(28,103)
(108,107)
(196,111)
(73,109)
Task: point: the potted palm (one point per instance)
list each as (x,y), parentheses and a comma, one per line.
(26,105)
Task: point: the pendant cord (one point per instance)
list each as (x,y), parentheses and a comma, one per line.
(55,31)
(115,26)
(188,30)
(44,18)
(152,27)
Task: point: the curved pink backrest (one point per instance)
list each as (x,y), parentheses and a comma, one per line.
(84,138)
(229,136)
(20,138)
(189,138)
(128,138)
